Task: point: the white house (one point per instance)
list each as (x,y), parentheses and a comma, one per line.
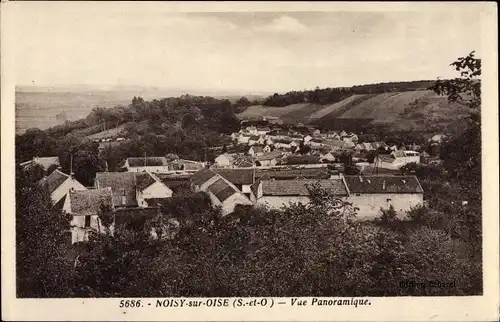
(283,144)
(150,190)
(307,138)
(221,192)
(251,130)
(86,206)
(268,159)
(132,189)
(243,138)
(370,193)
(254,139)
(397,159)
(278,193)
(407,156)
(150,164)
(351,137)
(224,160)
(328,157)
(257,150)
(59,184)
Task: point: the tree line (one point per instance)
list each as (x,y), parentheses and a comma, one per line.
(333,95)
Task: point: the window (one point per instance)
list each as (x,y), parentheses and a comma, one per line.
(87,221)
(388,202)
(358,194)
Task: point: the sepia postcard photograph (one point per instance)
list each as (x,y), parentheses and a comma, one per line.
(249,161)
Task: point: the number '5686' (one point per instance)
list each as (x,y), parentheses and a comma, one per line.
(130,303)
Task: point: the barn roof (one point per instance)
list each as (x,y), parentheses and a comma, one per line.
(237,176)
(54,180)
(299,187)
(119,182)
(202,176)
(383,184)
(221,189)
(88,202)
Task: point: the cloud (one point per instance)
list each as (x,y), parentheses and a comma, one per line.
(283,24)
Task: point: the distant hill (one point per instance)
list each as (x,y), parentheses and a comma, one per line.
(46,106)
(419,110)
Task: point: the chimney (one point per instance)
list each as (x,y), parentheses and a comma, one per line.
(383,185)
(124,198)
(72,175)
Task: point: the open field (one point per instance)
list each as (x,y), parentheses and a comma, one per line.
(108,133)
(411,110)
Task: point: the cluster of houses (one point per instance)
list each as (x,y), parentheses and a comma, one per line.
(277,188)
(274,146)
(135,195)
(254,178)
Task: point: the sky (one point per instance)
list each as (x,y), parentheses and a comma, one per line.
(236,51)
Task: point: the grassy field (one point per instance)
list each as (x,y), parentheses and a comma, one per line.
(411,110)
(258,111)
(108,133)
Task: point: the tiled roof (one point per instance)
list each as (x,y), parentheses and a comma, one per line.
(269,156)
(88,202)
(202,176)
(176,185)
(283,141)
(237,176)
(243,162)
(119,182)
(245,176)
(299,187)
(221,189)
(148,161)
(383,184)
(143,180)
(257,148)
(307,173)
(54,180)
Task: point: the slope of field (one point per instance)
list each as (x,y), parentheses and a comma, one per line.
(339,108)
(259,111)
(385,106)
(108,133)
(420,110)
